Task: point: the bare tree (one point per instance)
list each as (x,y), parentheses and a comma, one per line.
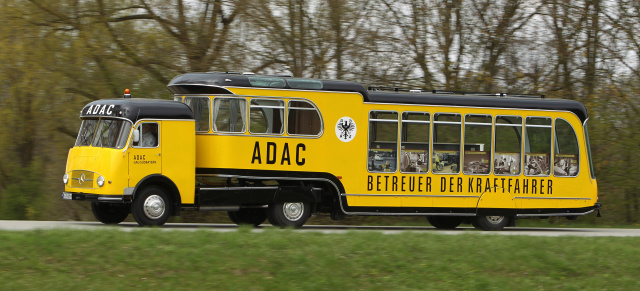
(306,38)
(496,26)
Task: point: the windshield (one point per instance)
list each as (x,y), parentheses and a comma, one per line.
(87,129)
(109,133)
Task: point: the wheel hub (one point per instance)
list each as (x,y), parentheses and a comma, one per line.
(293,211)
(154,207)
(495,219)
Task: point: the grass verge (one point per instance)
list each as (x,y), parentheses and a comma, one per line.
(277,259)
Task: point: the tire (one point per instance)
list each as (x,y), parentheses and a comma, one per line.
(251,216)
(445,222)
(233,217)
(151,207)
(490,223)
(110,213)
(289,214)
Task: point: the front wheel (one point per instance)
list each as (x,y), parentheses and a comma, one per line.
(152,207)
(251,216)
(490,223)
(288,214)
(110,213)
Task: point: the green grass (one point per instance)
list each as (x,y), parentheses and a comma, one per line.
(275,259)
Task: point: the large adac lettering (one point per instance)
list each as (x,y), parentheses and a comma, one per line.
(278,154)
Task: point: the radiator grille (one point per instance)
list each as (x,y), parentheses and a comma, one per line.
(82,179)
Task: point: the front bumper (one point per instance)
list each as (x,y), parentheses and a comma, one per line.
(96,197)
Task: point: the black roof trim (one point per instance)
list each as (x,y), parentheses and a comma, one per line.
(204,83)
(135,109)
(480,101)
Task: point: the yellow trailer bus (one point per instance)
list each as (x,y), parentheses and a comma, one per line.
(281,149)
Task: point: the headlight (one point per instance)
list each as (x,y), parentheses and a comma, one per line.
(100,181)
(65,178)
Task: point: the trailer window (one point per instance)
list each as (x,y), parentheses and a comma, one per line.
(266,116)
(447,137)
(414,147)
(200,108)
(303,119)
(268,82)
(508,146)
(477,144)
(383,141)
(566,157)
(537,155)
(229,114)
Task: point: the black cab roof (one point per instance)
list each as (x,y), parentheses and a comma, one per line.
(135,109)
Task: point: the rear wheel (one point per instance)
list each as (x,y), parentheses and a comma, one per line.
(490,223)
(288,214)
(252,216)
(110,213)
(445,222)
(151,207)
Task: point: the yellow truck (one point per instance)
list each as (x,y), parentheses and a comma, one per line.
(281,149)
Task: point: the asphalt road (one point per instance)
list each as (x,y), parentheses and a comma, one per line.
(586,232)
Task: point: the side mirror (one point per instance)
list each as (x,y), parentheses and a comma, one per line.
(136,136)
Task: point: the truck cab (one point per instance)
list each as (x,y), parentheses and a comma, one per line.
(120,160)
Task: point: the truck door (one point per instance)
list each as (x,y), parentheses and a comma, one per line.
(145,155)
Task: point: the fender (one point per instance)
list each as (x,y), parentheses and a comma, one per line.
(166,184)
(490,197)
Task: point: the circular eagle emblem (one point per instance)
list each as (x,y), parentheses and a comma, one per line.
(346,129)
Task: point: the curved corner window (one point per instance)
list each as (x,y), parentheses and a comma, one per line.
(588,145)
(537,157)
(414,142)
(566,152)
(303,119)
(266,116)
(200,108)
(229,114)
